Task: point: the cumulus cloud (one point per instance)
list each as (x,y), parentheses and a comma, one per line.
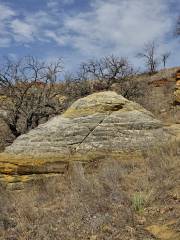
(22,30)
(6,14)
(119,25)
(53,4)
(24,27)
(61,40)
(104,27)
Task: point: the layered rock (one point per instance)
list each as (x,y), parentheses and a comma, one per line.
(177,90)
(98,124)
(101,121)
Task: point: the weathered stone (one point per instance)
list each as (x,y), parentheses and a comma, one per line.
(100,121)
(92,127)
(177,90)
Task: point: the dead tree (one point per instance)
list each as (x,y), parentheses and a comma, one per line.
(149,56)
(164,58)
(107,70)
(28,92)
(178,27)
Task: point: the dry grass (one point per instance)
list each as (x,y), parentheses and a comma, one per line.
(110,199)
(159,98)
(127,198)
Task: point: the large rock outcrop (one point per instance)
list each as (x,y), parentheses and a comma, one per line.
(101,123)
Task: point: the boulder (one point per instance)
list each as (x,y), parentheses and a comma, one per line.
(93,127)
(101,121)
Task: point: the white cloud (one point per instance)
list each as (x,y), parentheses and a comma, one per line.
(55,3)
(109,26)
(24,27)
(119,25)
(6,14)
(32,27)
(22,30)
(52,3)
(54,36)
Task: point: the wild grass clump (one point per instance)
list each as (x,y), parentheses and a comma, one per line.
(138,202)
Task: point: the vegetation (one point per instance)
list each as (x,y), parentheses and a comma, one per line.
(151,58)
(95,182)
(107,200)
(164,58)
(28,92)
(178,27)
(31,91)
(138,202)
(107,70)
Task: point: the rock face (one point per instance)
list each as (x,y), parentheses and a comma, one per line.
(99,123)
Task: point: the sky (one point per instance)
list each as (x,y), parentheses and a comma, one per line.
(78,30)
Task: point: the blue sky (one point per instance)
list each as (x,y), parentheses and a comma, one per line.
(77,30)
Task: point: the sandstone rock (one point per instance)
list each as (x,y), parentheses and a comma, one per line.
(177,90)
(100,123)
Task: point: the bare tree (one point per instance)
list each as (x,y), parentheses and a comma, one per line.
(28,92)
(149,55)
(112,73)
(164,58)
(107,70)
(178,27)
(76,86)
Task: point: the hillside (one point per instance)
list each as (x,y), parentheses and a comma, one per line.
(105,169)
(158,94)
(155,93)
(90,120)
